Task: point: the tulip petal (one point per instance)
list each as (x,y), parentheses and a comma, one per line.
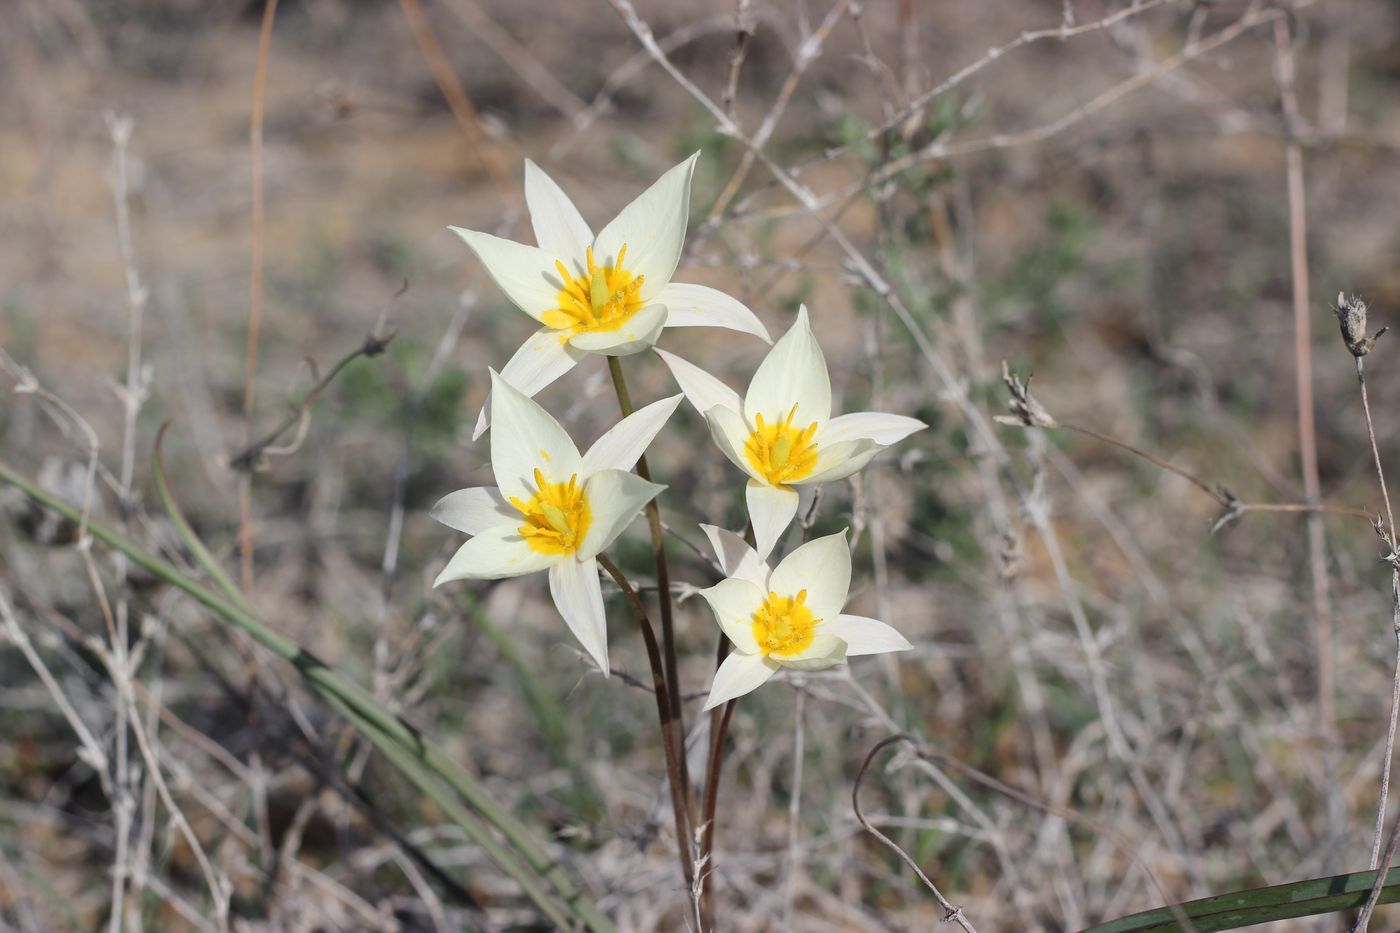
(864,636)
(729,432)
(525,273)
(526,438)
(579,599)
(700,306)
(822,567)
(884,429)
(793,373)
(738,675)
(734,603)
(653,228)
(736,558)
(825,651)
(540,360)
(473,511)
(560,229)
(623,445)
(701,389)
(494,554)
(838,461)
(635,334)
(771,509)
(615,498)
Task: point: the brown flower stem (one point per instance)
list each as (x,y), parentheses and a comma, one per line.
(676,724)
(663,711)
(714,764)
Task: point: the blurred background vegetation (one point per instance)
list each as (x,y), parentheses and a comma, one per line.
(1105,208)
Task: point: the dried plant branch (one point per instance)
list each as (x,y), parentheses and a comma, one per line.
(1028,412)
(921,101)
(1307,428)
(1359,349)
(254,456)
(255,278)
(519,59)
(463,111)
(951,914)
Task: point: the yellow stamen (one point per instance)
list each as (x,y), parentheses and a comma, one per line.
(556,517)
(603,298)
(784,625)
(780,452)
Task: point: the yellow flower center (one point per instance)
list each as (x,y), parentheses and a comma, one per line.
(556,517)
(601,299)
(784,625)
(780,452)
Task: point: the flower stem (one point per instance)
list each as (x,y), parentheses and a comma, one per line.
(675,725)
(719,727)
(663,712)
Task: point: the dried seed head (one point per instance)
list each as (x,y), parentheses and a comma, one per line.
(1026,412)
(1351,315)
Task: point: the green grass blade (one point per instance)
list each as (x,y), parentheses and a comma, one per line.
(1239,909)
(347,695)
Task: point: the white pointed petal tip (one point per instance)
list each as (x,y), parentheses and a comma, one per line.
(739,674)
(526,438)
(560,229)
(771,509)
(864,636)
(473,511)
(577,595)
(736,558)
(525,273)
(792,374)
(623,445)
(701,389)
(701,306)
(877,426)
(653,228)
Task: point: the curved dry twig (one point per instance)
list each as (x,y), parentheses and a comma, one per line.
(951,913)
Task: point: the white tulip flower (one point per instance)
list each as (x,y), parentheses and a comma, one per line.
(610,294)
(782,433)
(552,509)
(789,616)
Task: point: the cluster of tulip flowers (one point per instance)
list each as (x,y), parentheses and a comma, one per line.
(555,509)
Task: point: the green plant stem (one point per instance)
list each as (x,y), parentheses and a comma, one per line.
(676,725)
(331,684)
(663,712)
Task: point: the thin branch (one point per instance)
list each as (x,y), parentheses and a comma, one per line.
(461,105)
(1307,427)
(253,456)
(951,914)
(255,278)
